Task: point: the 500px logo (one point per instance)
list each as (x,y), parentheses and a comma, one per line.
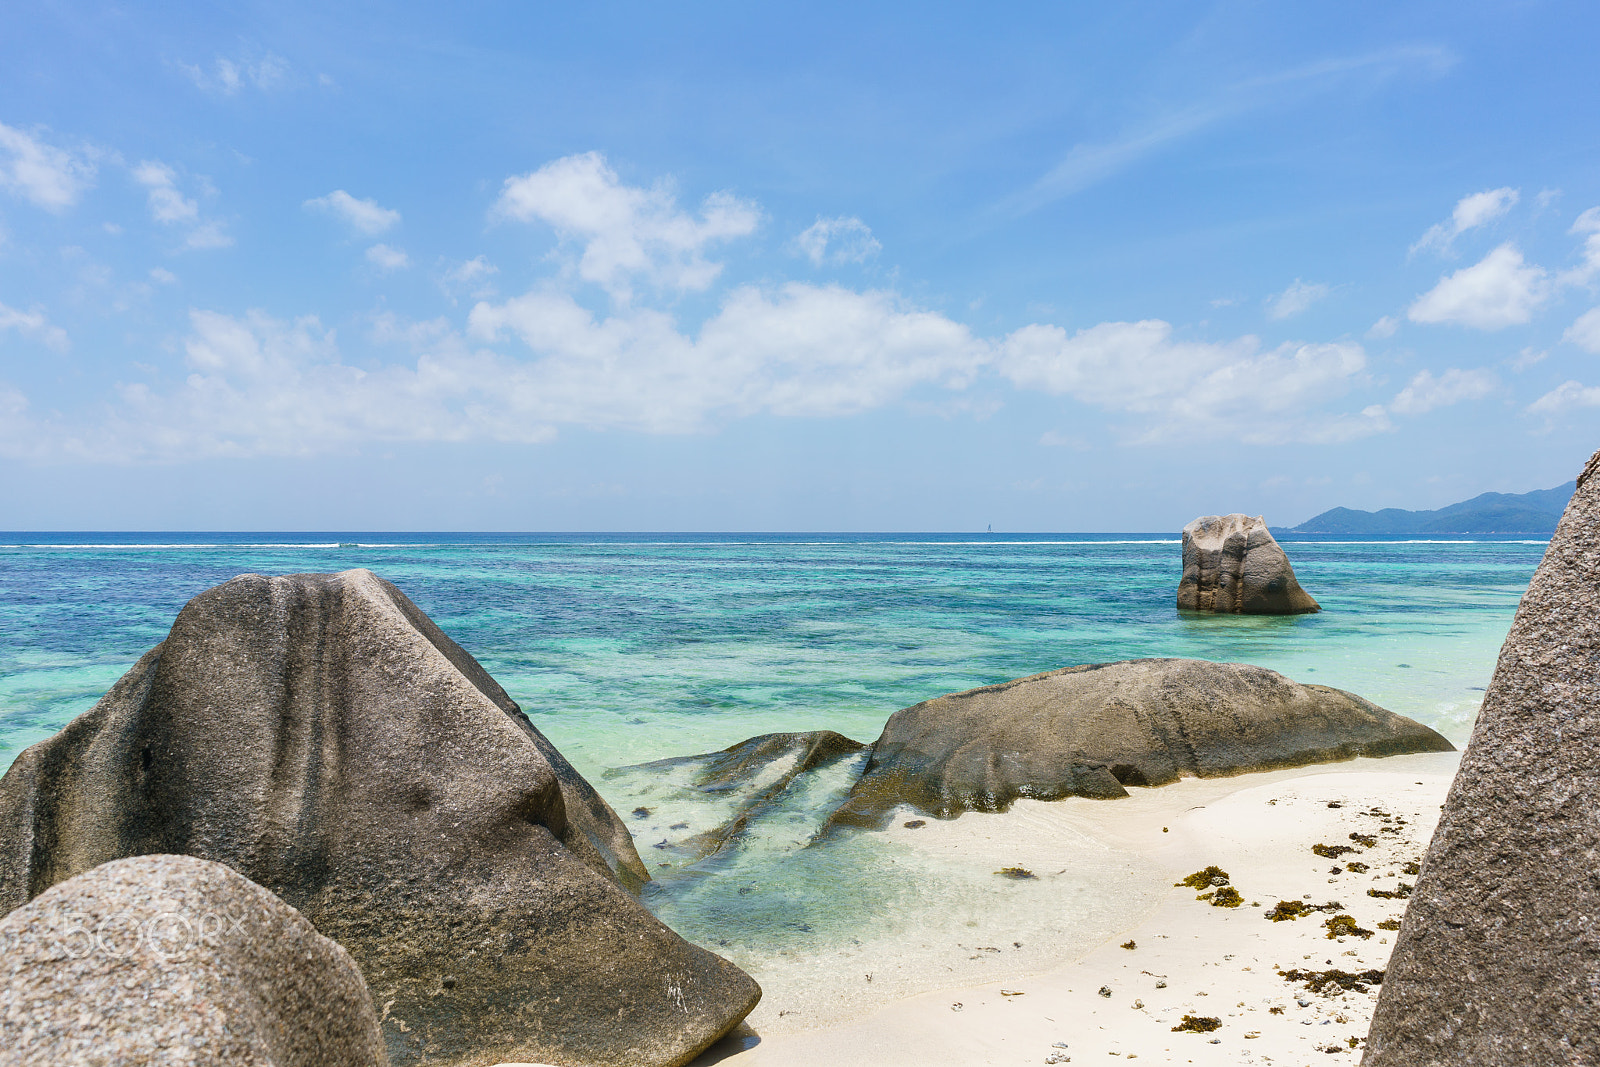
(168,936)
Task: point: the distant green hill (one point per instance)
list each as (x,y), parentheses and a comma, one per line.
(1488,513)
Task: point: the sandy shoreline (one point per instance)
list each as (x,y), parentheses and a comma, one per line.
(1190,958)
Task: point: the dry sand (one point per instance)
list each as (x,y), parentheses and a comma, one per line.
(1188,957)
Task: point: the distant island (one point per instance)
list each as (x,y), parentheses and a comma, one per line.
(1488,513)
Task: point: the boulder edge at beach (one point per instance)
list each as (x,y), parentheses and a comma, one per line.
(1233,565)
(321,736)
(1090,731)
(1498,958)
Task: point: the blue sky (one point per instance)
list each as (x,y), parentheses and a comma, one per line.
(822,267)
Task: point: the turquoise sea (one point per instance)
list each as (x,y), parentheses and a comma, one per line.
(626,648)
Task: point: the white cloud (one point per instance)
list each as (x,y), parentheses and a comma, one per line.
(261,386)
(626,231)
(1295,299)
(471,271)
(851,239)
(1585,333)
(1566,396)
(1586,223)
(471,276)
(170,207)
(208,235)
(1528,357)
(166,203)
(1470,213)
(1500,290)
(228,76)
(1383,328)
(385,258)
(1185,387)
(34,324)
(163,276)
(363,215)
(50,177)
(1425,392)
(801,350)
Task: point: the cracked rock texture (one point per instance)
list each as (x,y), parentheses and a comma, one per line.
(172,960)
(1498,957)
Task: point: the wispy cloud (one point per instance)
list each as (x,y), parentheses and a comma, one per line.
(49,177)
(34,324)
(840,240)
(227,76)
(1426,392)
(1473,211)
(1565,397)
(386,258)
(1295,299)
(1089,163)
(170,207)
(364,216)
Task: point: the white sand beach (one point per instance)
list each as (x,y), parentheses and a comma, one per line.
(1187,957)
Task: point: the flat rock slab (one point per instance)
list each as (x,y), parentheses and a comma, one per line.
(1498,959)
(1089,731)
(320,735)
(173,960)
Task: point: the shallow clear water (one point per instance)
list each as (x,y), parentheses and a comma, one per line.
(628,648)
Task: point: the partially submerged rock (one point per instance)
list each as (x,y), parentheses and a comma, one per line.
(1089,731)
(320,735)
(175,960)
(1232,565)
(763,768)
(1498,958)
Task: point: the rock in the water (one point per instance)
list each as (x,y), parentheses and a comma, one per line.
(1498,958)
(763,769)
(320,735)
(1232,565)
(174,960)
(1088,731)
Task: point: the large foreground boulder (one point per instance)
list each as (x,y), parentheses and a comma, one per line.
(1089,731)
(173,960)
(1232,565)
(321,736)
(1498,958)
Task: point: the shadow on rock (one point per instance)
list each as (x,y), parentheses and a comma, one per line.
(321,736)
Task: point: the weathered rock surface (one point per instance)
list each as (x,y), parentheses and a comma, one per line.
(320,735)
(1232,565)
(1088,731)
(174,960)
(1498,958)
(763,769)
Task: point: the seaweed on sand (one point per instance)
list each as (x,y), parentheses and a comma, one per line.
(1345,926)
(1197,1024)
(1334,981)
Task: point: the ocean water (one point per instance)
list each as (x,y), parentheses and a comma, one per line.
(625,649)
